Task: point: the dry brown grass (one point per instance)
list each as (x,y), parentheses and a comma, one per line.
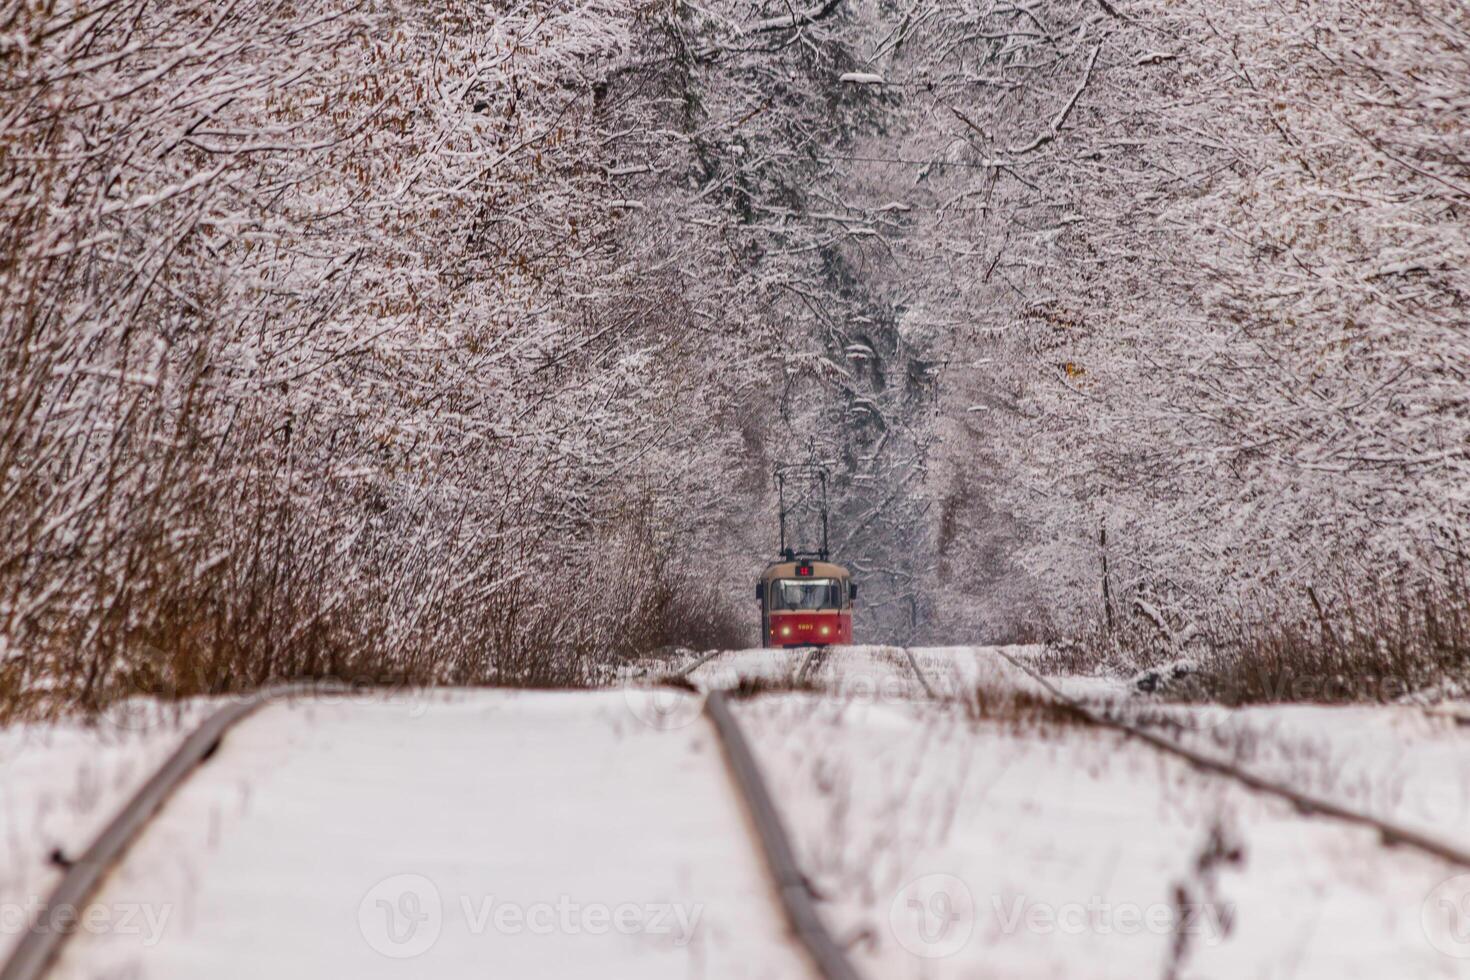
(1020,712)
(223,465)
(280,609)
(751,686)
(1369,642)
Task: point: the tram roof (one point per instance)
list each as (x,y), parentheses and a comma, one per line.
(820,569)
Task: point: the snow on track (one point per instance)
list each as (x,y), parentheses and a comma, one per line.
(61,782)
(870,673)
(1401,764)
(1397,764)
(580,833)
(878,782)
(996,846)
(473,834)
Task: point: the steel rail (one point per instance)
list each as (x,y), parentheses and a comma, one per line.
(691,667)
(41,941)
(796,894)
(918,672)
(813,662)
(1390,833)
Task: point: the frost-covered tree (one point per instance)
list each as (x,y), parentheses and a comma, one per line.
(337,338)
(1206,263)
(327,348)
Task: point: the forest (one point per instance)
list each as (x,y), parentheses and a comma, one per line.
(457,342)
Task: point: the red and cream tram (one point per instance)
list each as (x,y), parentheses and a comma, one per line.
(805,603)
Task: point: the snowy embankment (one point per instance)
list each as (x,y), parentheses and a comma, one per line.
(1404,763)
(1399,763)
(951,819)
(60,783)
(1395,763)
(964,825)
(468,834)
(954,846)
(868,672)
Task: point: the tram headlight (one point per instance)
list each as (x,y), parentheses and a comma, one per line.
(786,631)
(826,630)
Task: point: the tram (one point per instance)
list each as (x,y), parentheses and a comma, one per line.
(805,599)
(805,603)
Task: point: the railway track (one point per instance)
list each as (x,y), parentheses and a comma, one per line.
(1390,833)
(811,665)
(797,901)
(797,898)
(37,949)
(697,663)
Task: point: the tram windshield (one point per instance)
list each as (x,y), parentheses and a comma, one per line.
(806,593)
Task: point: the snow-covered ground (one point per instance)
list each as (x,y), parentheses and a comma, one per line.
(879,673)
(1398,763)
(953,825)
(474,834)
(1402,763)
(957,846)
(892,781)
(841,671)
(1406,763)
(61,783)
